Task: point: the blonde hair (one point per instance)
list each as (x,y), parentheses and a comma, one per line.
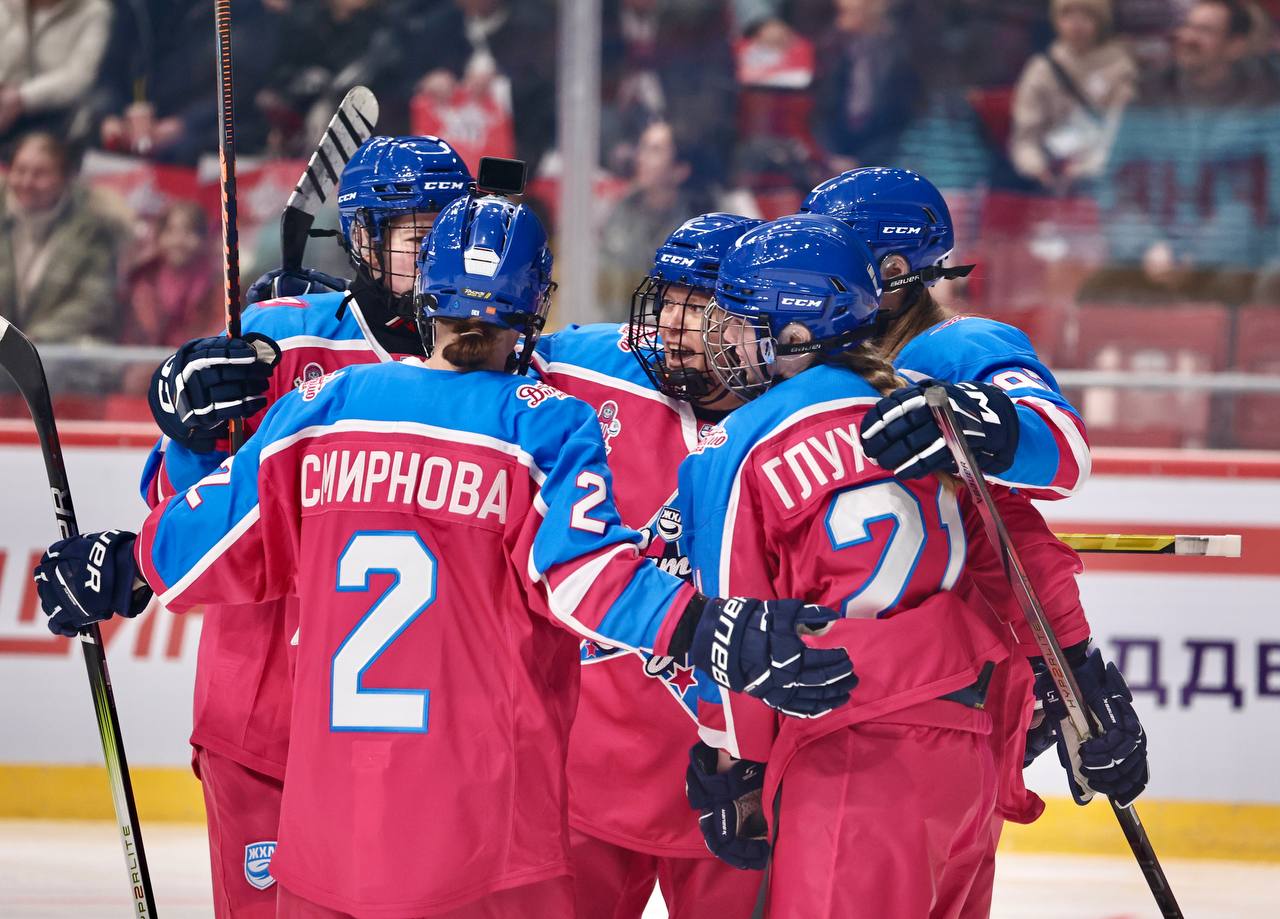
(868,362)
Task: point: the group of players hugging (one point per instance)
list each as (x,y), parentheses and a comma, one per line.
(463,653)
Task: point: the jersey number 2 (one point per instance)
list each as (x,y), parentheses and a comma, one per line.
(848,524)
(403,555)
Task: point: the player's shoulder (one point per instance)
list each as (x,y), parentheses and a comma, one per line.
(602,348)
(966,342)
(803,401)
(313,316)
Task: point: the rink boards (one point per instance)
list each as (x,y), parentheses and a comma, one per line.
(1198,638)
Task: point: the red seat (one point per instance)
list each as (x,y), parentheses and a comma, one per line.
(1035,250)
(1180,338)
(994,108)
(1256,422)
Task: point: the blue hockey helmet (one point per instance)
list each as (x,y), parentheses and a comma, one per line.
(666,309)
(807,270)
(896,212)
(389,177)
(486,258)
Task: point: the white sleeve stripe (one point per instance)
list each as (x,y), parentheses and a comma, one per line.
(1071,434)
(328,344)
(564,600)
(216,550)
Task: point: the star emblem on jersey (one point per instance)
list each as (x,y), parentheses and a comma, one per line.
(682,678)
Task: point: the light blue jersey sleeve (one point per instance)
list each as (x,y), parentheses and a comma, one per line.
(1052,459)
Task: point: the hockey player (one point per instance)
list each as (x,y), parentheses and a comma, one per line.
(882,809)
(1027,436)
(389,194)
(636,712)
(449,531)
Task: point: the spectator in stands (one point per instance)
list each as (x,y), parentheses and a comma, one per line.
(49,55)
(670,62)
(1068,101)
(174,293)
(866,87)
(1185,199)
(157,96)
(656,203)
(57,251)
(1212,65)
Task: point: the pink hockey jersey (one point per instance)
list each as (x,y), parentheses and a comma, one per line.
(636,715)
(780,501)
(241,705)
(449,537)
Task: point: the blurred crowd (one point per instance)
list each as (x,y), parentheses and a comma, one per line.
(1095,151)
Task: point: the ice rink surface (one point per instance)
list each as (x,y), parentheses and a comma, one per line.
(51,870)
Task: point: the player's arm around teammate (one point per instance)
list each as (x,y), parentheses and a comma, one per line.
(1031,443)
(881,808)
(487,499)
(635,720)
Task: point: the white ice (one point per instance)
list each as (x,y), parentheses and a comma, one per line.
(52,870)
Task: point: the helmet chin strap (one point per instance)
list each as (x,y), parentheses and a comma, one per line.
(925,275)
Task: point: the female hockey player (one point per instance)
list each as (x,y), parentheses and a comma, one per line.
(880,810)
(390,193)
(1027,436)
(449,531)
(636,717)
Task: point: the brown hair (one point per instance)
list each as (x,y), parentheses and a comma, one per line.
(53,145)
(192,212)
(921,313)
(473,345)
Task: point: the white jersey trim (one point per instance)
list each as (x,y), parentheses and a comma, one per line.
(452,435)
(216,550)
(1075,442)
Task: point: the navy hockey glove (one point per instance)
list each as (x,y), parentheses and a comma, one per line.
(730,813)
(754,646)
(283,283)
(1115,762)
(209,381)
(88,578)
(899,433)
(1041,735)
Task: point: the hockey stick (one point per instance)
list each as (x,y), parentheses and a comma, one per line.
(227,162)
(1082,720)
(350,127)
(1224,546)
(21,361)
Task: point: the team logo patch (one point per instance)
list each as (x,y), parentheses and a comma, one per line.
(312,371)
(257,863)
(537,393)
(610,426)
(716,437)
(669,526)
(311,386)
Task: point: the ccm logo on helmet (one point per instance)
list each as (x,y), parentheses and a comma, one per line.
(443,186)
(801,303)
(347,197)
(901,231)
(680,260)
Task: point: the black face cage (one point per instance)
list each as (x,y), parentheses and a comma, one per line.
(372,258)
(665,336)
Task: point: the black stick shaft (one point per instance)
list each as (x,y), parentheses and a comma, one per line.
(20,359)
(227,162)
(1063,678)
